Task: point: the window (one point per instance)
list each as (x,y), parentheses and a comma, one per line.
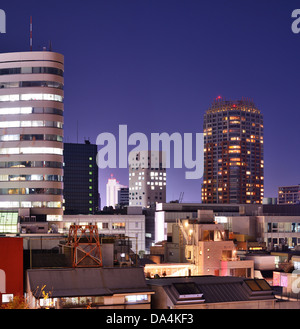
(29,70)
(26,84)
(31,97)
(118,226)
(136,298)
(36,123)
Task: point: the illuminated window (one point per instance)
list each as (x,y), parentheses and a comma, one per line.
(37,123)
(136,298)
(29,97)
(118,226)
(31,150)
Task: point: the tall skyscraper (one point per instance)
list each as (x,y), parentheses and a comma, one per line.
(233,153)
(112,191)
(81,193)
(147,178)
(31,134)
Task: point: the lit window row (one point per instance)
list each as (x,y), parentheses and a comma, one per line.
(17,137)
(158,178)
(32,70)
(30,110)
(156,183)
(31,97)
(32,150)
(13,178)
(31,164)
(28,191)
(30,204)
(35,123)
(26,84)
(152,173)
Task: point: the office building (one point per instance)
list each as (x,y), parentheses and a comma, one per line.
(31,135)
(112,191)
(147,178)
(289,194)
(130,224)
(233,153)
(123,196)
(81,194)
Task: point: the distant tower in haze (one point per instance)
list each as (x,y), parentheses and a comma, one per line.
(112,191)
(233,153)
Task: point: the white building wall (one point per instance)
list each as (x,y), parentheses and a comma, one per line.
(26,96)
(112,188)
(134,226)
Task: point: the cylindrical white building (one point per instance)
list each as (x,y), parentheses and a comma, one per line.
(31,134)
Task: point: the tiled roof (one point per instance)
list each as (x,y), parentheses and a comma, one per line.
(214,289)
(75,282)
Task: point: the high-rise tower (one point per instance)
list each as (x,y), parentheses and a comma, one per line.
(233,153)
(31,134)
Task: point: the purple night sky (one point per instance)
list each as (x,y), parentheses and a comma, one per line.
(156,65)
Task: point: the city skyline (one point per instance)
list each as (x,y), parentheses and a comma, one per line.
(158,66)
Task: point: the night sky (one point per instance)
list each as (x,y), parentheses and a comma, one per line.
(157,65)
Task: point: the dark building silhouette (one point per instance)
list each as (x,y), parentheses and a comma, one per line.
(81,195)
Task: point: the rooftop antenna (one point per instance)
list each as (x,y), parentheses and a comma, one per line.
(77,131)
(50,45)
(30,33)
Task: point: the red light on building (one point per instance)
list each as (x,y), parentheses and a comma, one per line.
(11,267)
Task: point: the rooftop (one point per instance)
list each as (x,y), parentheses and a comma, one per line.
(76,282)
(213,289)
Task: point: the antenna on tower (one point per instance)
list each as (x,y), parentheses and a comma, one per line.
(30,33)
(77,131)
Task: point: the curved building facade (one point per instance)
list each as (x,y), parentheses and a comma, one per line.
(31,134)
(233,153)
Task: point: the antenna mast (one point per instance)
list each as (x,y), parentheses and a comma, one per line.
(30,33)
